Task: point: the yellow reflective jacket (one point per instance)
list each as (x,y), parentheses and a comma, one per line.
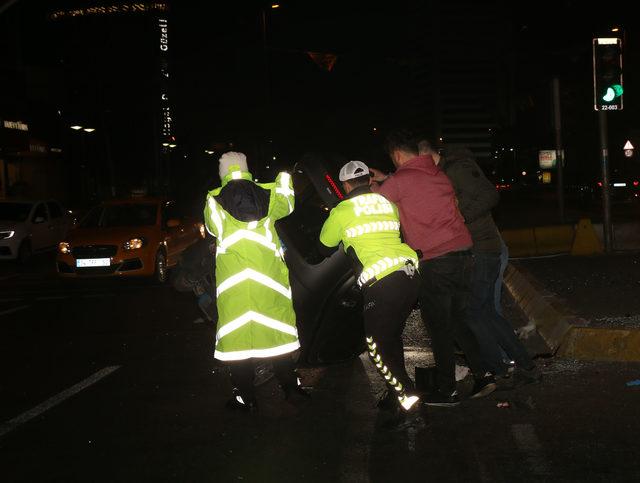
(255,311)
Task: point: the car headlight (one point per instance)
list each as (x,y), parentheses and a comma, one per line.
(64,248)
(203,232)
(6,234)
(133,244)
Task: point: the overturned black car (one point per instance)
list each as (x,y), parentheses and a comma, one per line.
(327,300)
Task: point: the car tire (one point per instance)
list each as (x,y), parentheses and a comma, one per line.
(160,274)
(25,252)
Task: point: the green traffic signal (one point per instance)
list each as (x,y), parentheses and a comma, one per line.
(612,92)
(610,95)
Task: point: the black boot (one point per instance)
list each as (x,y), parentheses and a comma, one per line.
(483,386)
(388,401)
(402,419)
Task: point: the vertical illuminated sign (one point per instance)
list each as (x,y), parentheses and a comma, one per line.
(165,107)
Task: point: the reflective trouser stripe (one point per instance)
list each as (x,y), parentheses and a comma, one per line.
(255,317)
(250,274)
(382,368)
(405,401)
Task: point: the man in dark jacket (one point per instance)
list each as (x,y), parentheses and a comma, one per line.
(476,198)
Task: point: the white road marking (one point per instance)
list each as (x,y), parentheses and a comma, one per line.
(97,295)
(528,443)
(8,277)
(13,310)
(55,400)
(53,297)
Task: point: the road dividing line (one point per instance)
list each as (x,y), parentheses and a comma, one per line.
(53,297)
(55,400)
(97,295)
(13,310)
(528,443)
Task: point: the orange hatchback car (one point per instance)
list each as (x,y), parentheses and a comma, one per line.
(128,237)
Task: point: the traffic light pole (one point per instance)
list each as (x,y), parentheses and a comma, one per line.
(607,228)
(559,151)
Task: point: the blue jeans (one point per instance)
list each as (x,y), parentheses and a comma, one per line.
(504,261)
(495,334)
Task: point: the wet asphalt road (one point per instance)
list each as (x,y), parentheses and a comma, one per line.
(114,381)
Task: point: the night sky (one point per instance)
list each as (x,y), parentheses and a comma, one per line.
(224,88)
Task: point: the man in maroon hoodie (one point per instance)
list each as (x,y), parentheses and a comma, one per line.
(432,224)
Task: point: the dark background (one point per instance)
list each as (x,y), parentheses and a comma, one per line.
(242,78)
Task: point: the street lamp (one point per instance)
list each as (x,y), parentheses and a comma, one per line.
(87,180)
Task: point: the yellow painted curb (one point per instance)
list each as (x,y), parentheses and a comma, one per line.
(553,321)
(586,242)
(550,321)
(540,240)
(603,344)
(521,242)
(554,239)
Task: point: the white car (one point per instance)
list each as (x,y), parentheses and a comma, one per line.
(28,226)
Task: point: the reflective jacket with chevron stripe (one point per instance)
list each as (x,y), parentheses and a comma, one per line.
(255,311)
(369,224)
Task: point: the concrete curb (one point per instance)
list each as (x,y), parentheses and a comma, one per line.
(551,320)
(602,344)
(556,239)
(559,328)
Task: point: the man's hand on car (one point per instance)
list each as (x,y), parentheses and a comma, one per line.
(377,175)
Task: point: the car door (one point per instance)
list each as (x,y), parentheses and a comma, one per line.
(57,220)
(42,231)
(190,229)
(327,300)
(173,233)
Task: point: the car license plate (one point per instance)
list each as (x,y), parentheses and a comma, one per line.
(93,262)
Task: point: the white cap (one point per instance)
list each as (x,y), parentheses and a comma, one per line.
(232,158)
(353,169)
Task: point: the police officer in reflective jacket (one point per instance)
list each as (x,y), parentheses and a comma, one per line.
(368,227)
(256,319)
